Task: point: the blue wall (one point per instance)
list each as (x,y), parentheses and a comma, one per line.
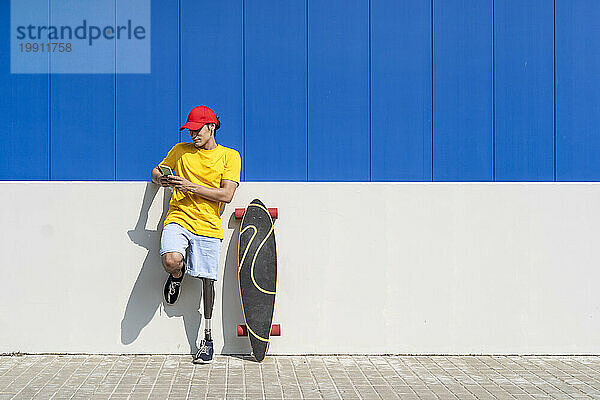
(336,90)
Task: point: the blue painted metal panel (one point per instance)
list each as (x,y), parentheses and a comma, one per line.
(524,90)
(24,126)
(147,105)
(462,90)
(338,94)
(577,90)
(401,90)
(212,65)
(82,115)
(84,132)
(82,120)
(275,88)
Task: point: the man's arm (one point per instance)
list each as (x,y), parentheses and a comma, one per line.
(224,194)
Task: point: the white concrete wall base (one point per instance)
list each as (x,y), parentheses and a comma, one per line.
(412,268)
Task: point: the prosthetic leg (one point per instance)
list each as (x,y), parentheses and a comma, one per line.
(208,298)
(206,351)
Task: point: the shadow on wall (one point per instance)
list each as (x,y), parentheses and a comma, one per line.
(230,298)
(147,294)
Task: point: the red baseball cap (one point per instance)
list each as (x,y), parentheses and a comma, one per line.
(198,117)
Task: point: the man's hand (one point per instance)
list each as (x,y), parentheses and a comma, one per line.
(157,177)
(163,181)
(181,184)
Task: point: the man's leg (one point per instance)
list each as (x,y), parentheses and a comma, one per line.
(173,264)
(173,244)
(204,264)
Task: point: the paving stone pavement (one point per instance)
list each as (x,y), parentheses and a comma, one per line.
(299,377)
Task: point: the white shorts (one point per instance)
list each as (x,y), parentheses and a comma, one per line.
(202,259)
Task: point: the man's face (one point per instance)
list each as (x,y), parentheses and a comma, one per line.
(201,136)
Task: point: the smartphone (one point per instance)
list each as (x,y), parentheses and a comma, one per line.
(165,169)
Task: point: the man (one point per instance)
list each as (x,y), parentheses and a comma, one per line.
(206,175)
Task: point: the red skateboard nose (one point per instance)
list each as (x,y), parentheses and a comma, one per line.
(273,212)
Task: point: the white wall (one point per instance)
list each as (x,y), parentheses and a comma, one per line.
(363,268)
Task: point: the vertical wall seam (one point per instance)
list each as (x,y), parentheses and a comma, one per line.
(493,91)
(115,99)
(554,84)
(432,91)
(49,99)
(179,34)
(370,101)
(244,87)
(307,103)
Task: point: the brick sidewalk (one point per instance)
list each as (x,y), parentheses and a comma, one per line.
(300,377)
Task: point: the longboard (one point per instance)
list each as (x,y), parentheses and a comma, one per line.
(257,274)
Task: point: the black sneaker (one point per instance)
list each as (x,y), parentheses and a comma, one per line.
(204,355)
(172,286)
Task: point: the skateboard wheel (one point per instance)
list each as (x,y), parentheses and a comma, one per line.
(239,213)
(275,330)
(242,330)
(274,213)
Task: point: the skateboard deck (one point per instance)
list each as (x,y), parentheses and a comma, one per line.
(257,275)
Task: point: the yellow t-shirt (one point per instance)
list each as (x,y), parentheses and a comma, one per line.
(207,168)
